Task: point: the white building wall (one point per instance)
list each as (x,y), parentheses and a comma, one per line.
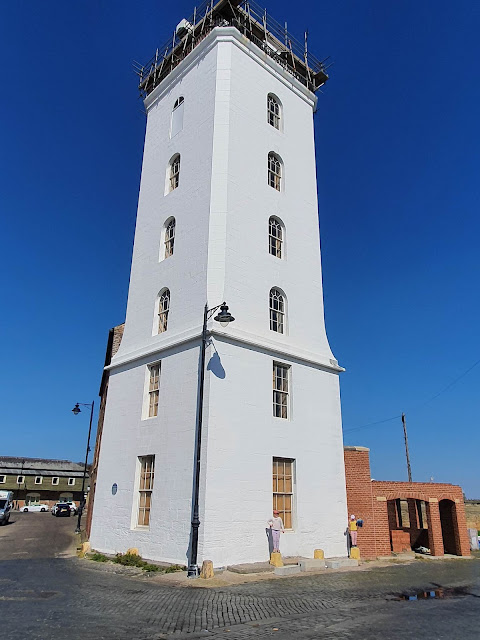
(243,438)
(222,207)
(170,438)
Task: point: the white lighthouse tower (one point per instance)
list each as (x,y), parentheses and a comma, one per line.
(227,212)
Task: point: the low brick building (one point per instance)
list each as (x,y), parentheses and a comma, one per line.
(401,516)
(35,480)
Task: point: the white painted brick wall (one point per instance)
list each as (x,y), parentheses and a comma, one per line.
(222,208)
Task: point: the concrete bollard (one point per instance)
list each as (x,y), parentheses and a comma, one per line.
(318,554)
(276,559)
(83,549)
(355,553)
(207,570)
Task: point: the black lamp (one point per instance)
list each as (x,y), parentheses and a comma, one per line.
(224,316)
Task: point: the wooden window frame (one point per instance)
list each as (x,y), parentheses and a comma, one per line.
(169,239)
(275,237)
(274,112)
(274,172)
(174,173)
(283,478)
(145,490)
(281,385)
(153,389)
(163,310)
(277,305)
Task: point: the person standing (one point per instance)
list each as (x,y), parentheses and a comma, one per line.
(352,527)
(276,525)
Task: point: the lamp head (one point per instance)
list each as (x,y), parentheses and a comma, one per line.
(224,317)
(76,409)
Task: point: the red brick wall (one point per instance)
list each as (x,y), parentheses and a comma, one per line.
(359,497)
(373,501)
(114,340)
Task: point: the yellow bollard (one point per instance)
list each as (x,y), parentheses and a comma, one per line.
(355,553)
(318,554)
(207,570)
(276,559)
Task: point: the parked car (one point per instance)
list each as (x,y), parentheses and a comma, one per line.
(35,507)
(70,505)
(62,509)
(6,498)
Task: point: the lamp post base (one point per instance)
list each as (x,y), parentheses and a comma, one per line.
(192,571)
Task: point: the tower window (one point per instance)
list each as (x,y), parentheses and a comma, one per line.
(163,310)
(274,171)
(55,480)
(283,489)
(169,237)
(174,172)
(273,111)
(280,390)
(147,473)
(275,237)
(71,482)
(153,389)
(38,479)
(177,117)
(277,311)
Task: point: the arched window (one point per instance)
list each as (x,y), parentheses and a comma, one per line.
(169,239)
(274,171)
(174,172)
(277,311)
(177,117)
(273,111)
(163,310)
(275,237)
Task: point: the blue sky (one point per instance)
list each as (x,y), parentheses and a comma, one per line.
(397,134)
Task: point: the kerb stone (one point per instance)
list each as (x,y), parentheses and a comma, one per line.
(338,563)
(288,570)
(310,564)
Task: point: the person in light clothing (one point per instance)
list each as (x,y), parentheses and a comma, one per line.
(276,525)
(352,526)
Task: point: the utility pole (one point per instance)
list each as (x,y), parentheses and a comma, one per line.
(404,422)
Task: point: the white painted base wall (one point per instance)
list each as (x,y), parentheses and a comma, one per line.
(240,438)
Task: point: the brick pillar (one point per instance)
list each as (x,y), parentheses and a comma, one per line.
(382,529)
(460,527)
(412,513)
(435,538)
(392,515)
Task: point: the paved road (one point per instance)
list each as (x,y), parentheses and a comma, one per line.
(45,594)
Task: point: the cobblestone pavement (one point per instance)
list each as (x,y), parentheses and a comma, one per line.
(64,598)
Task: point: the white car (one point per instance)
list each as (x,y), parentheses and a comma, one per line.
(73,508)
(35,507)
(72,505)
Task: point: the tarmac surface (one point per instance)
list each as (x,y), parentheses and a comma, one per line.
(46,593)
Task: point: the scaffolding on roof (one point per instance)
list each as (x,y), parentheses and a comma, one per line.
(254,23)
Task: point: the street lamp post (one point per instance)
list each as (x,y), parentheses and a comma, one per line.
(224,318)
(76,410)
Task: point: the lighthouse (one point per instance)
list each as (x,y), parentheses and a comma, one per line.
(209,426)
